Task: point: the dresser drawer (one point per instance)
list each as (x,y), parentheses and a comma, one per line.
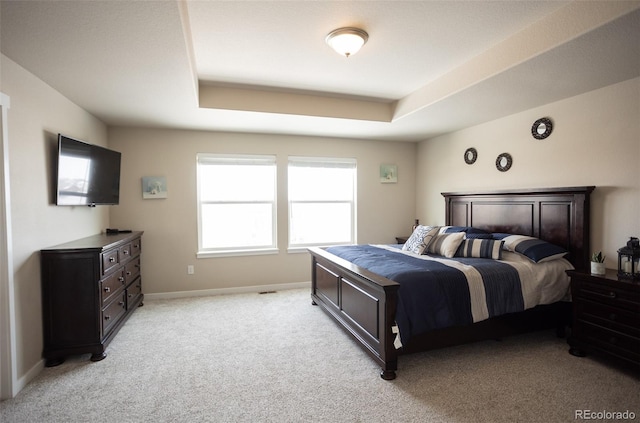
(134,291)
(125,252)
(611,341)
(611,317)
(606,294)
(109,261)
(111,285)
(136,247)
(113,312)
(132,270)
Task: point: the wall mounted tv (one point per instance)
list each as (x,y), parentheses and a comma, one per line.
(87,175)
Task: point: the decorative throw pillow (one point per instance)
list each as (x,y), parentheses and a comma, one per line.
(420,239)
(446,244)
(480,248)
(536,250)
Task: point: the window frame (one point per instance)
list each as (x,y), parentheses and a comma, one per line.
(202,159)
(326,162)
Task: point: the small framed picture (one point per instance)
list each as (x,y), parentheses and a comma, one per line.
(154,187)
(388,173)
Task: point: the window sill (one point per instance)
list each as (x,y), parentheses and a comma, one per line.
(297,250)
(236,253)
(305,248)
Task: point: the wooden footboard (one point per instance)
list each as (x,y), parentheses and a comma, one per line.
(361,302)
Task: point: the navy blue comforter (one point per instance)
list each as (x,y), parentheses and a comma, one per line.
(433,295)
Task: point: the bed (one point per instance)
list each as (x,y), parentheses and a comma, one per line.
(370,307)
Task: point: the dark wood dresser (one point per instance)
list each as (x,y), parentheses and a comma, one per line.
(606,316)
(90,287)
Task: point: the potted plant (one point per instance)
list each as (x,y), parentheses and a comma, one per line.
(597,263)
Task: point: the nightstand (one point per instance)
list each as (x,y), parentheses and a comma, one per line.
(401,239)
(606,316)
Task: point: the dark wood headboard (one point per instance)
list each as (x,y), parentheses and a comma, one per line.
(556,215)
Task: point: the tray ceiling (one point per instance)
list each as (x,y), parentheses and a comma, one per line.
(428,68)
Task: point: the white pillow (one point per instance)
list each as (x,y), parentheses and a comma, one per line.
(446,244)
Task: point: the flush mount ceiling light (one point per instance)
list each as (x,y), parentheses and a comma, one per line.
(347,41)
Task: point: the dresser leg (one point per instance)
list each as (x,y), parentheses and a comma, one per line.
(98,356)
(52,362)
(577,352)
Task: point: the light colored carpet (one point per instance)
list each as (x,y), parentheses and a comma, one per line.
(276,358)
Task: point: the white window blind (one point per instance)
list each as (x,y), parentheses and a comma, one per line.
(236,204)
(322,201)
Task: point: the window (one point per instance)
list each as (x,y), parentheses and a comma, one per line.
(322,201)
(236,204)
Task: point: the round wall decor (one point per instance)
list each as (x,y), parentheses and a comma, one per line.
(470,155)
(503,162)
(541,128)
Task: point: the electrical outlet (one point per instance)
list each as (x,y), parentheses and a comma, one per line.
(190,269)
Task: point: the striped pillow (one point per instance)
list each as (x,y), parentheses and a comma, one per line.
(481,248)
(446,244)
(536,250)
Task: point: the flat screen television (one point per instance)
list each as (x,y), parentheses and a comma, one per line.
(87,175)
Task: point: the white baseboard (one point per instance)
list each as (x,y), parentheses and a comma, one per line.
(226,291)
(28,377)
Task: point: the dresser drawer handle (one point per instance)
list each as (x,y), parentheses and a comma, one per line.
(612,294)
(125,252)
(121,303)
(130,295)
(128,273)
(107,317)
(112,259)
(107,289)
(121,279)
(136,245)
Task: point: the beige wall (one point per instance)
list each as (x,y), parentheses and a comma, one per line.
(595,141)
(37,114)
(170,241)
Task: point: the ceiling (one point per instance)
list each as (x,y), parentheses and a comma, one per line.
(429,67)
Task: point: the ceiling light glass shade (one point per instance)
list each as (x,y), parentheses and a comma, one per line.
(347,41)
